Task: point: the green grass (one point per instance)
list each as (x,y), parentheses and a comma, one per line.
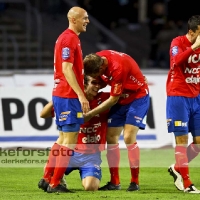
(19,181)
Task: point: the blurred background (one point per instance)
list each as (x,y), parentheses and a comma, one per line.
(141,28)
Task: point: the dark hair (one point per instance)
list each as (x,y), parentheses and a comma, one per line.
(92,63)
(193,23)
(86,79)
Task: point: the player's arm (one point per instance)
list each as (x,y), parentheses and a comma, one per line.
(178,55)
(196,45)
(71,79)
(47,110)
(107,104)
(145,79)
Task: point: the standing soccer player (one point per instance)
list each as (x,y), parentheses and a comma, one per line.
(183,102)
(69,100)
(129,103)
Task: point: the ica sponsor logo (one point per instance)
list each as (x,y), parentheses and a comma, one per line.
(194,58)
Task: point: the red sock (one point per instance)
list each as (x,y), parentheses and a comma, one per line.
(134,161)
(176,167)
(113,157)
(62,162)
(49,168)
(182,161)
(192,151)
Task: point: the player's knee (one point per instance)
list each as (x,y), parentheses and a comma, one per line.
(91,187)
(197,146)
(59,140)
(181,140)
(130,138)
(112,139)
(197,141)
(91,184)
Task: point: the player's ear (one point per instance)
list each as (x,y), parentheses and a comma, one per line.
(73,19)
(85,86)
(191,32)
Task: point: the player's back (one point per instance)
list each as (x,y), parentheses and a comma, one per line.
(123,69)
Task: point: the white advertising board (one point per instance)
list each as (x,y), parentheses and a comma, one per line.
(21,126)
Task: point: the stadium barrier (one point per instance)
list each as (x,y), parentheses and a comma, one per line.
(21,100)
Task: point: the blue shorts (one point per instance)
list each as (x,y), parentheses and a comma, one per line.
(87,164)
(133,113)
(183,115)
(67,111)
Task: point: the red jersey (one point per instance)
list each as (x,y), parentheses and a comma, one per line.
(184,74)
(67,49)
(92,134)
(124,76)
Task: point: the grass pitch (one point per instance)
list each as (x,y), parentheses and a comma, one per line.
(18,181)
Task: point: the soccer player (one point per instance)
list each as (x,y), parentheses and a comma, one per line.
(69,100)
(183,102)
(91,138)
(129,103)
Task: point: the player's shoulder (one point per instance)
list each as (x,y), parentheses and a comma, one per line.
(179,38)
(103,53)
(69,40)
(103,95)
(68,35)
(178,41)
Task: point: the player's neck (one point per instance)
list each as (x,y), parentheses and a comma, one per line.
(188,37)
(74,30)
(89,97)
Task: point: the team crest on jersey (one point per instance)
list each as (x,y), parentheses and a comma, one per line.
(174,50)
(65,53)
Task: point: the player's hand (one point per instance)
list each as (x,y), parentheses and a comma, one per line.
(87,117)
(145,80)
(84,104)
(197,43)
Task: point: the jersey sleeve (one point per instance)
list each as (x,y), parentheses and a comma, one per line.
(118,82)
(178,55)
(68,48)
